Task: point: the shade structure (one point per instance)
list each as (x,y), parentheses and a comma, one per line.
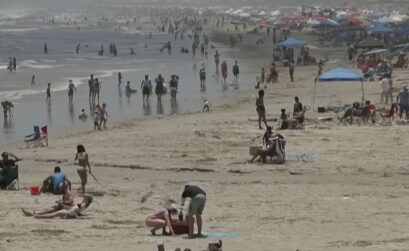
(339,75)
(292,43)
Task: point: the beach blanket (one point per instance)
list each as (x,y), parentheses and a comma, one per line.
(300,156)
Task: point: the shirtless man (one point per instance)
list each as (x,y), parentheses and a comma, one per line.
(97,88)
(91,87)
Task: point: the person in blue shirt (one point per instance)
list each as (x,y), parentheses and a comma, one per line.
(55,182)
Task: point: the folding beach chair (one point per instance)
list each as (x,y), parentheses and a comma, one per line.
(12,179)
(33,140)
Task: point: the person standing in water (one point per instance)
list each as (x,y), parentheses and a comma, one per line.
(173,86)
(202,76)
(236,72)
(217,60)
(91,88)
(82,162)
(119,78)
(14,64)
(33,80)
(146,87)
(71,89)
(48,99)
(97,89)
(45,48)
(224,71)
(159,89)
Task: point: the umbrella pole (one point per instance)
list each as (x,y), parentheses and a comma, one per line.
(313,95)
(363,92)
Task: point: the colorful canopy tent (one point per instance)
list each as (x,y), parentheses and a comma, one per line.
(339,75)
(292,43)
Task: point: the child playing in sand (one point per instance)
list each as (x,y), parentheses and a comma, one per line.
(97,119)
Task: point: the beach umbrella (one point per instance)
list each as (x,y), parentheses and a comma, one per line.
(292,43)
(339,75)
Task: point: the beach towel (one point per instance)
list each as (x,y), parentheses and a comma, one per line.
(216,235)
(221,234)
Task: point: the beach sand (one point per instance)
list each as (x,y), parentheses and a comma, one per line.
(351,196)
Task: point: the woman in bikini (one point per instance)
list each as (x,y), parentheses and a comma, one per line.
(65,213)
(81,160)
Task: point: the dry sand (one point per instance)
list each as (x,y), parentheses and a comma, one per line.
(352,197)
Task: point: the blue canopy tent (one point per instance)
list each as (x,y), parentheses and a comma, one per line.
(291,43)
(339,75)
(380,29)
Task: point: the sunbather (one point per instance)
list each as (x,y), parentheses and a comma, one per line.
(65,213)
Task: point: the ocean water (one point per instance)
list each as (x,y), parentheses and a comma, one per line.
(23,34)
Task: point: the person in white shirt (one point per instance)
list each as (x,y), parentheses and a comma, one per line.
(386,84)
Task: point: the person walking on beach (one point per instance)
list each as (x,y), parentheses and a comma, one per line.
(298,108)
(196,206)
(403,100)
(224,71)
(45,49)
(291,68)
(236,72)
(97,89)
(263,75)
(104,115)
(71,89)
(82,163)
(146,87)
(48,99)
(159,88)
(217,60)
(91,88)
(386,89)
(33,80)
(261,109)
